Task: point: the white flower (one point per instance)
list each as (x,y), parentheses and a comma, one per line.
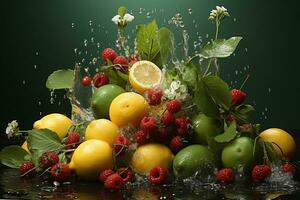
(177,90)
(218,14)
(128,17)
(116,19)
(12,129)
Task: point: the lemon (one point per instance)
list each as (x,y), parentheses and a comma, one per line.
(102,129)
(283,143)
(143,75)
(25,147)
(128,108)
(151,155)
(90,158)
(55,122)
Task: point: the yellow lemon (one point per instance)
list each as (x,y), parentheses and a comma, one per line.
(102,129)
(55,122)
(151,155)
(283,142)
(128,108)
(25,147)
(144,75)
(90,158)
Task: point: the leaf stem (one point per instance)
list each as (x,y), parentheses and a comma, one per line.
(217,28)
(248,76)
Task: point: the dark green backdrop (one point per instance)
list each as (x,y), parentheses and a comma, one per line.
(40,33)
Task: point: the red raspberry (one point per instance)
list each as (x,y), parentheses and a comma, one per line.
(49,159)
(154,96)
(148,125)
(182,125)
(133,59)
(100,79)
(120,145)
(162,134)
(237,97)
(86,80)
(72,140)
(245,128)
(105,174)
(260,172)
(120,60)
(125,173)
(225,175)
(289,168)
(108,54)
(176,144)
(60,172)
(114,182)
(141,137)
(167,118)
(158,175)
(174,106)
(231,118)
(27,168)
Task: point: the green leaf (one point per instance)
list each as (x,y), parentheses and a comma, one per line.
(190,75)
(122,75)
(122,11)
(13,156)
(165,41)
(245,109)
(218,90)
(60,79)
(63,158)
(228,135)
(147,40)
(114,78)
(220,48)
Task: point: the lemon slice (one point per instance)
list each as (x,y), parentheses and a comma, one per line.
(144,75)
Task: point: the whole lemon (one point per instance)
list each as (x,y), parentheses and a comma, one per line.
(90,158)
(55,122)
(283,143)
(102,129)
(128,108)
(151,155)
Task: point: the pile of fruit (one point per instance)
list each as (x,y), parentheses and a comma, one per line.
(153,118)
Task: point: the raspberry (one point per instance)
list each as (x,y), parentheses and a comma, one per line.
(114,182)
(125,173)
(100,79)
(289,168)
(162,134)
(27,168)
(225,175)
(108,54)
(260,172)
(154,96)
(72,140)
(176,144)
(231,118)
(60,172)
(105,174)
(148,125)
(49,159)
(86,80)
(141,137)
(120,60)
(182,125)
(237,97)
(158,175)
(245,128)
(174,106)
(167,118)
(120,144)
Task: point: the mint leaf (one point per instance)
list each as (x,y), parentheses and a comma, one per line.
(228,135)
(220,48)
(165,41)
(147,40)
(115,78)
(13,156)
(190,75)
(60,79)
(218,90)
(122,11)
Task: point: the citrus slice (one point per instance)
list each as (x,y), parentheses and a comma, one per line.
(144,75)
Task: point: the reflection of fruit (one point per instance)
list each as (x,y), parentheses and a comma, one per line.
(281,139)
(143,75)
(128,108)
(238,153)
(151,155)
(55,122)
(191,159)
(25,147)
(102,99)
(102,129)
(205,128)
(90,158)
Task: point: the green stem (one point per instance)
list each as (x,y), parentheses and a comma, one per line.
(193,58)
(208,67)
(217,28)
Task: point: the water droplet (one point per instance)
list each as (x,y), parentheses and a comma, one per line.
(207,35)
(92,39)
(246,49)
(39,103)
(141,11)
(90,23)
(85,42)
(34,66)
(236,72)
(148,15)
(37,53)
(98,44)
(75,50)
(40,113)
(269,90)
(73,25)
(23,82)
(234,19)
(266,109)
(190,11)
(51,100)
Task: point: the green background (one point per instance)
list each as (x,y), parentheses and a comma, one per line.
(40,33)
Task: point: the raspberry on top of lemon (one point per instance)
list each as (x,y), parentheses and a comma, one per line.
(144,75)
